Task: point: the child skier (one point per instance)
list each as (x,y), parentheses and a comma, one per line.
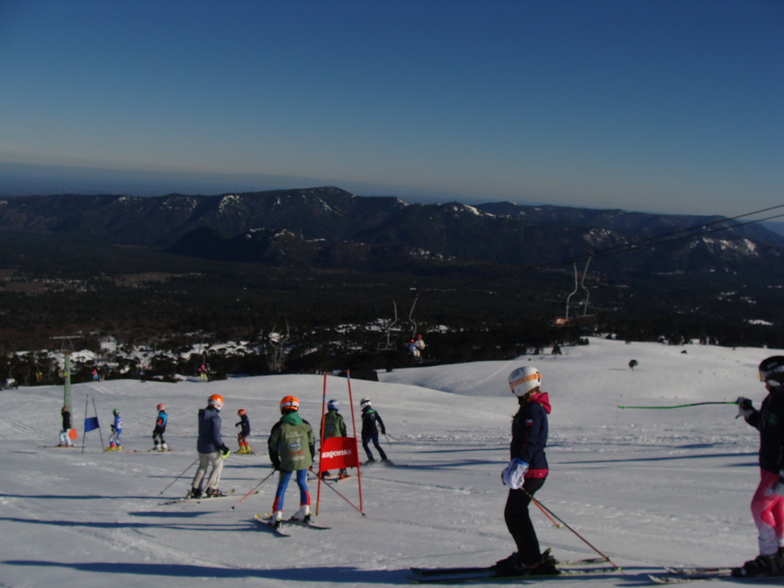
(116,427)
(371,423)
(334,426)
(211,448)
(160,429)
(242,436)
(65,440)
(291,447)
(526,474)
(767,506)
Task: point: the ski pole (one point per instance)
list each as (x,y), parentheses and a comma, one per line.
(680,405)
(344,498)
(547,514)
(583,539)
(267,477)
(180,476)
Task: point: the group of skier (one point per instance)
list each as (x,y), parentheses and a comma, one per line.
(291,447)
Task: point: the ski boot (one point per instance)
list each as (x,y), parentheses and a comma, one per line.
(213,493)
(275,519)
(762,565)
(547,565)
(303,514)
(510,566)
(194,493)
(164,447)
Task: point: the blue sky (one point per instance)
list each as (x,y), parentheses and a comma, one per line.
(661,105)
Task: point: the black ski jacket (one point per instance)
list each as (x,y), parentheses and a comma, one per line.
(769,420)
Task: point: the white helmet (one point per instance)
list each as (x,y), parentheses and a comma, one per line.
(365,402)
(524,379)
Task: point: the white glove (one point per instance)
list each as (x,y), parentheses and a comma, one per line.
(745,408)
(514,472)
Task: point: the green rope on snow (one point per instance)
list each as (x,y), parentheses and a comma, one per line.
(680,405)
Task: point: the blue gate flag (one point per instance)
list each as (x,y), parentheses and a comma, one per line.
(90,424)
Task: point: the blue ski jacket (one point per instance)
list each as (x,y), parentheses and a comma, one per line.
(209,431)
(529,435)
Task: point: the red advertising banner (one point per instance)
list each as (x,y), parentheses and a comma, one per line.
(338,453)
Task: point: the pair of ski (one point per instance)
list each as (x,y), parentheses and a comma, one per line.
(682,575)
(264,521)
(230,494)
(469,575)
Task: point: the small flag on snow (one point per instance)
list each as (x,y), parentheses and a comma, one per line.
(91,423)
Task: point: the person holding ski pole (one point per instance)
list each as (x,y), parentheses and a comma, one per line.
(242,436)
(291,446)
(160,429)
(767,505)
(334,426)
(526,474)
(212,450)
(371,424)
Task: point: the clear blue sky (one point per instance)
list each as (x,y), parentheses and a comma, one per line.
(655,105)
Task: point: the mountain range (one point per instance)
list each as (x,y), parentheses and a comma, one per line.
(329,227)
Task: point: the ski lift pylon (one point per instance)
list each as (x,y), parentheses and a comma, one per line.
(586,317)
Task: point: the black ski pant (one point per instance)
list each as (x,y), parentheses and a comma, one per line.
(366,439)
(518,520)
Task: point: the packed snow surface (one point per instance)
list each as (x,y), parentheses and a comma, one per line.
(645,487)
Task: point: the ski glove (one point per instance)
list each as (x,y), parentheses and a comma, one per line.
(514,472)
(745,408)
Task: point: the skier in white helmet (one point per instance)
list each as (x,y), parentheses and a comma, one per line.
(526,474)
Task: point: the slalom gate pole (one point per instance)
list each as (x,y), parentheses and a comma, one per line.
(680,405)
(583,539)
(95,411)
(264,479)
(180,476)
(321,443)
(344,498)
(84,436)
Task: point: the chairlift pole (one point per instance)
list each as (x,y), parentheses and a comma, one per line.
(582,285)
(67,368)
(411,317)
(573,292)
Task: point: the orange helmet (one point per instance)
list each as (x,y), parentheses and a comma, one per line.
(216,400)
(289,403)
(241,412)
(161,407)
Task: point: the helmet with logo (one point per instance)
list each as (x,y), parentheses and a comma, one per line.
(523,380)
(216,401)
(160,407)
(333,405)
(772,369)
(289,403)
(365,402)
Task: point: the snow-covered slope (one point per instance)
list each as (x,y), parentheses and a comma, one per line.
(645,487)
